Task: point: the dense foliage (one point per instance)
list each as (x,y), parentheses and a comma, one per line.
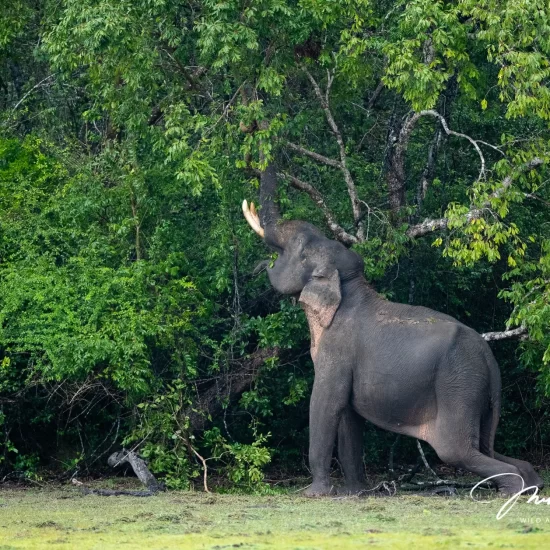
(131,312)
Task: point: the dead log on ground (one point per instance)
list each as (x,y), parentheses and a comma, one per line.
(141,471)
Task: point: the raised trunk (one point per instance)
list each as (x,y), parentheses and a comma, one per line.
(269,212)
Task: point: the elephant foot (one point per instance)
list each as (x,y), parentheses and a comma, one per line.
(538,482)
(352,489)
(511,485)
(532,479)
(317,489)
(532,483)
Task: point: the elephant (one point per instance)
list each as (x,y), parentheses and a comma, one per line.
(407,369)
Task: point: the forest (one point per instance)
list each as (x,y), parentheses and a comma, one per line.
(135,310)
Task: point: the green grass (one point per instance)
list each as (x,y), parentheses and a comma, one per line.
(63,518)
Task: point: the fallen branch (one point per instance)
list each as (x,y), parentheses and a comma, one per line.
(441,483)
(389,487)
(141,471)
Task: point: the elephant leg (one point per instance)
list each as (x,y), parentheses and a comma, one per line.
(328,400)
(350,451)
(474,461)
(531,478)
(456,441)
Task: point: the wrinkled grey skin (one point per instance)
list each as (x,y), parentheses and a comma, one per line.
(407,369)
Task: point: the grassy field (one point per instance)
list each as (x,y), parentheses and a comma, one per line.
(64,518)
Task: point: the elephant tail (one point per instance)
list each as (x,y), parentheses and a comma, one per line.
(491,414)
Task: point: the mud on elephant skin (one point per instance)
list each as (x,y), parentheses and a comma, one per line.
(407,369)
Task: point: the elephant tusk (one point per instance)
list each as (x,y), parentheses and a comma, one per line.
(252,218)
(255,214)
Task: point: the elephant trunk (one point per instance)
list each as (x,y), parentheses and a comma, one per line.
(267,223)
(269,214)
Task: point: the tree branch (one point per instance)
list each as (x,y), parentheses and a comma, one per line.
(140,469)
(450,132)
(339,232)
(430,225)
(315,156)
(520,332)
(375,95)
(508,180)
(31,91)
(398,144)
(428,172)
(427,226)
(210,402)
(352,191)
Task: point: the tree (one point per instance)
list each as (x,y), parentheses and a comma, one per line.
(415,132)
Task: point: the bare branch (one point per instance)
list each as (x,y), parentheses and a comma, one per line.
(423,456)
(210,400)
(315,156)
(324,100)
(496,148)
(520,332)
(399,142)
(450,132)
(226,109)
(430,225)
(375,95)
(428,172)
(537,198)
(201,458)
(352,191)
(31,91)
(140,469)
(339,232)
(427,226)
(507,181)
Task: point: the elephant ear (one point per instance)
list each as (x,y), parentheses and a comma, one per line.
(321,296)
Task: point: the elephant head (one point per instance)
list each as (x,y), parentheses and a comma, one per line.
(309,265)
